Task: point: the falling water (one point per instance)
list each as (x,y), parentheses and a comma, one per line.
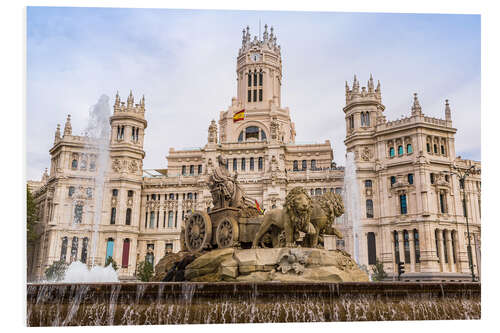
(353,205)
(98,133)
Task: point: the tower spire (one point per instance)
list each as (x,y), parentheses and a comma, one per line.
(370,84)
(355,85)
(416,108)
(447,111)
(67,127)
(130,99)
(57,135)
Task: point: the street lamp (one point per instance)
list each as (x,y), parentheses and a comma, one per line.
(462,174)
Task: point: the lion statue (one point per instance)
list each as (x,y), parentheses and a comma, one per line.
(295,217)
(320,216)
(325,209)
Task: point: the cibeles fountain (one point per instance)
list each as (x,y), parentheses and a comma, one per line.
(241,265)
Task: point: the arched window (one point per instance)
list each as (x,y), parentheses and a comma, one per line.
(74,164)
(432,178)
(368,183)
(261,162)
(442,202)
(249,79)
(243,163)
(391,152)
(393,180)
(410,178)
(362,119)
(409,148)
(402,204)
(83,257)
(428,147)
(304,164)
(152,220)
(83,165)
(171,196)
(125,253)
(252,132)
(406,246)
(183,170)
(74,249)
(113,215)
(369,208)
(109,248)
(128,216)
(64,248)
(400,150)
(71,190)
(251,163)
(235,164)
(190,196)
(150,257)
(442,150)
(130,193)
(317,191)
(260,78)
(367,119)
(295,165)
(255,78)
(435,149)
(416,244)
(200,169)
(191,170)
(372,248)
(313,164)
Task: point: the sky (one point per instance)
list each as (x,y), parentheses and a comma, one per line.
(184,62)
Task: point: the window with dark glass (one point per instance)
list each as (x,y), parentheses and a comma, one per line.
(393,180)
(190,196)
(400,150)
(255,78)
(252,132)
(74,249)
(391,152)
(191,170)
(436,238)
(152,220)
(432,178)
(410,178)
(263,136)
(249,79)
(83,257)
(78,213)
(416,244)
(200,169)
(183,170)
(251,163)
(115,192)
(74,164)
(128,216)
(64,248)
(406,244)
(249,95)
(153,197)
(368,183)
(442,202)
(260,78)
(369,209)
(435,149)
(442,149)
(240,137)
(295,165)
(255,95)
(396,246)
(261,163)
(372,248)
(243,163)
(402,204)
(260,95)
(113,216)
(313,164)
(409,148)
(130,193)
(235,164)
(71,190)
(453,244)
(304,164)
(444,247)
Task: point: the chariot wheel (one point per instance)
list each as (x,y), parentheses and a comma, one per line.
(227,232)
(198,231)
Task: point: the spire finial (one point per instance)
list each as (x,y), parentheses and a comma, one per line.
(67,127)
(447,111)
(416,108)
(57,135)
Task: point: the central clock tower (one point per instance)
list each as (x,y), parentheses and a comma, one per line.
(259,70)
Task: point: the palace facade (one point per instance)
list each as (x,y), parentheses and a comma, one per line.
(410,202)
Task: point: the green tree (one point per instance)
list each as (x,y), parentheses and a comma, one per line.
(110,260)
(31,217)
(379,273)
(56,271)
(145,271)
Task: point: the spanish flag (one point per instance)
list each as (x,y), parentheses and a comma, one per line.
(261,211)
(240,115)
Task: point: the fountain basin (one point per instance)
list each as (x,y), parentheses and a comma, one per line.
(236,302)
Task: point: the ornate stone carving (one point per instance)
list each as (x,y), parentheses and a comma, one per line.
(133,167)
(117,165)
(366,154)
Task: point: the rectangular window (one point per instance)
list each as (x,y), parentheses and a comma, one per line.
(183,170)
(164,217)
(255,95)
(304,165)
(260,95)
(442,202)
(432,178)
(146,221)
(191,170)
(402,204)
(417,246)
(249,95)
(410,178)
(260,78)
(396,247)
(243,164)
(152,220)
(372,248)
(128,216)
(109,248)
(200,169)
(126,251)
(170,219)
(235,164)
(115,192)
(261,163)
(113,216)
(251,163)
(428,147)
(406,245)
(255,79)
(249,80)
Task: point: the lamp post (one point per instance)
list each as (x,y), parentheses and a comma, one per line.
(462,175)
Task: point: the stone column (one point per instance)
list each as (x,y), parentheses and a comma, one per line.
(412,250)
(441,249)
(449,250)
(401,246)
(393,251)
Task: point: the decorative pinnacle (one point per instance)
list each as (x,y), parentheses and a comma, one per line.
(416,108)
(67,126)
(447,110)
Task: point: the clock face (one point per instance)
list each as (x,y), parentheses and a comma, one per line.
(255,57)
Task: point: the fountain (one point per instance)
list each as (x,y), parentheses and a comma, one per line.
(352,196)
